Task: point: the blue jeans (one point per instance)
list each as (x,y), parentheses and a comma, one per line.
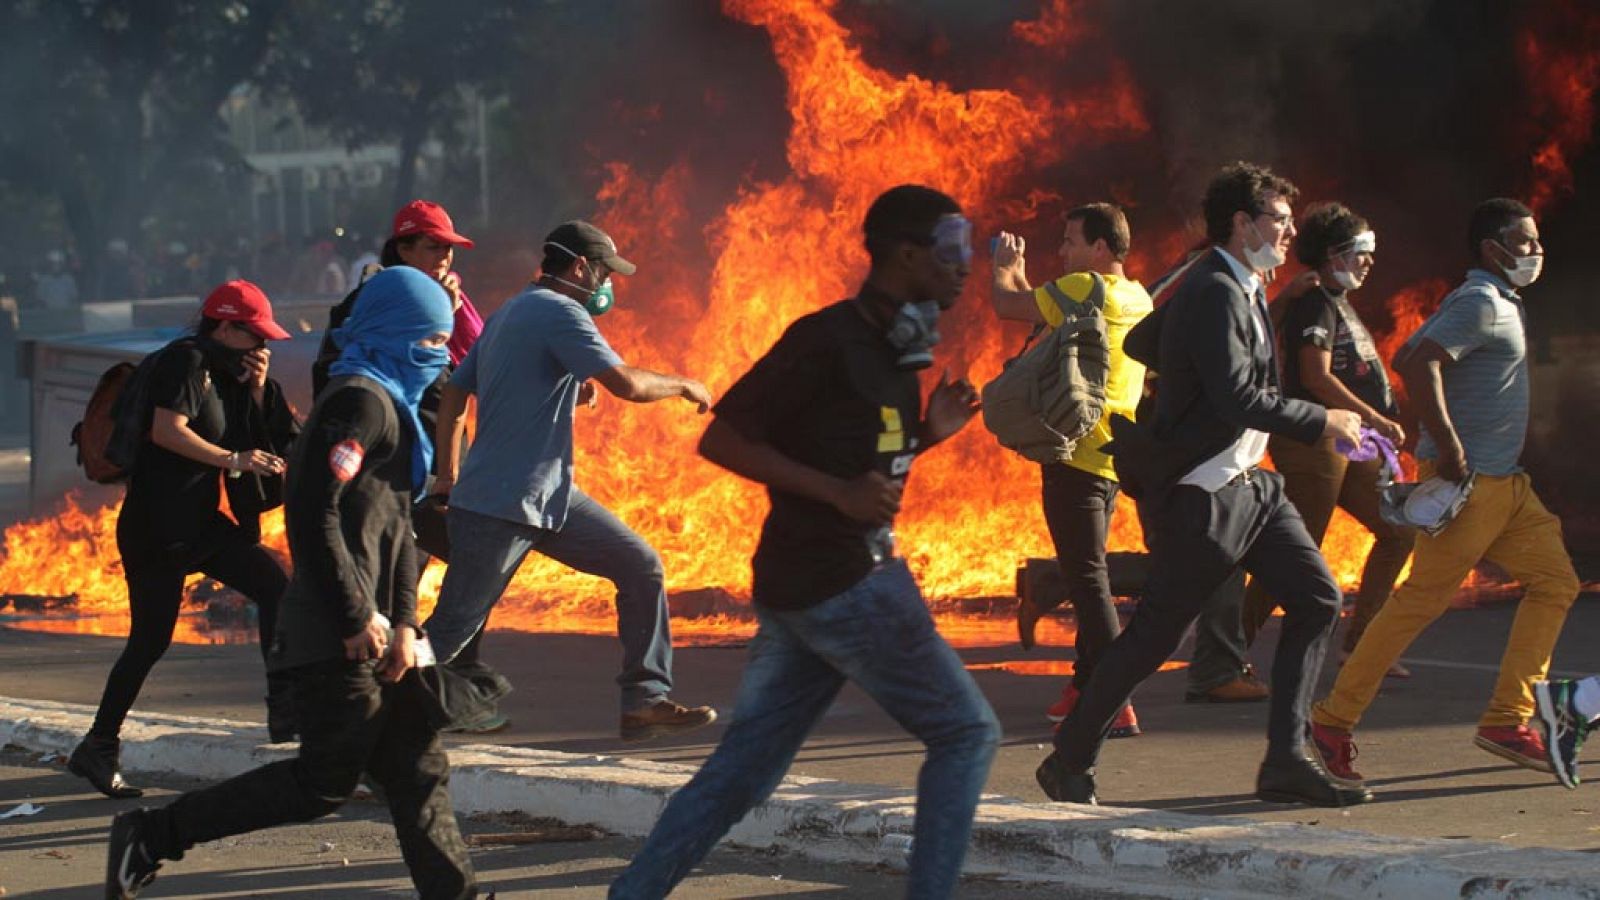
(486,551)
(879,635)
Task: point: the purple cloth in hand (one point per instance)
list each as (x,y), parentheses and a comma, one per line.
(1371,446)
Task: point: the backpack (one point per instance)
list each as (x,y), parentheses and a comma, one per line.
(92,435)
(116,421)
(1053,393)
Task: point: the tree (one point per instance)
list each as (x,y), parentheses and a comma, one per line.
(378,70)
(107,103)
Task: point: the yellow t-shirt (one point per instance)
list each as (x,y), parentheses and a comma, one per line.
(1126,304)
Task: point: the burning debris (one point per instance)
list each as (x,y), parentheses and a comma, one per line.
(35,603)
(1100,99)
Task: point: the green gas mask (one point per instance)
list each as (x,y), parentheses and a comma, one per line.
(601,299)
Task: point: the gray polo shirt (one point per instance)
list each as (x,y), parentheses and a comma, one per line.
(526,368)
(1481,325)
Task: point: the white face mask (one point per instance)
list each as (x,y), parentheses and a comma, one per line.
(1266,257)
(1347,255)
(1524,270)
(1346,280)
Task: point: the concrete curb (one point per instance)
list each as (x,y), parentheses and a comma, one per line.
(1127,852)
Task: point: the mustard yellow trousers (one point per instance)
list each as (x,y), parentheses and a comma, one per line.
(1505,523)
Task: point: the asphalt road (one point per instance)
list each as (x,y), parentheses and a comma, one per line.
(59,854)
(1416,747)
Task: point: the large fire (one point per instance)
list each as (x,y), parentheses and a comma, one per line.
(786,247)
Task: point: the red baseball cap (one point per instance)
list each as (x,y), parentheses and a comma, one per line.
(422,217)
(242,302)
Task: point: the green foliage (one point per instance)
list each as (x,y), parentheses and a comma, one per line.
(374,71)
(111,106)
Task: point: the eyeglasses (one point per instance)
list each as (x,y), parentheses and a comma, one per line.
(1279,219)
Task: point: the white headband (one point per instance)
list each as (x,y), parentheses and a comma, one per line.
(1365,242)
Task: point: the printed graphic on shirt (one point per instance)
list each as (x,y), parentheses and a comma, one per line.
(344,460)
(893,438)
(901,465)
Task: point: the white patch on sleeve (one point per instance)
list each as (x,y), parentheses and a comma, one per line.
(344,460)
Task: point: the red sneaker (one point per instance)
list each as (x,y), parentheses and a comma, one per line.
(1338,751)
(1518,743)
(1062,708)
(1125,725)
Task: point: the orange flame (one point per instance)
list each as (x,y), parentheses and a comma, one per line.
(1057,27)
(1558,52)
(783,249)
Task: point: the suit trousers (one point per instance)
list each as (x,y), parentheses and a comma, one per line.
(1221,653)
(1317,478)
(1201,538)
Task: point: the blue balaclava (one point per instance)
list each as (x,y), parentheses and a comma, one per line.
(397,308)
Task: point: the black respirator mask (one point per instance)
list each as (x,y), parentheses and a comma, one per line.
(914,331)
(228,359)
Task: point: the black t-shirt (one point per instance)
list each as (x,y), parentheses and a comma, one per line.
(347,515)
(827,395)
(1322,319)
(176,500)
(173,504)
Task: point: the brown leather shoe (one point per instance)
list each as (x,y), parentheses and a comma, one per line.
(663,718)
(1028,616)
(1244,689)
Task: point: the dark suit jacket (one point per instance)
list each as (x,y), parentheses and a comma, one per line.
(1217,378)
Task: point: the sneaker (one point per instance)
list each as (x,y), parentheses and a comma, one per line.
(1517,743)
(1564,728)
(1059,710)
(129,865)
(662,718)
(1125,725)
(1338,751)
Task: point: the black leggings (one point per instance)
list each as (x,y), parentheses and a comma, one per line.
(155,592)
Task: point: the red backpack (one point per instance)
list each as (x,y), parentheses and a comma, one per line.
(92,436)
(116,421)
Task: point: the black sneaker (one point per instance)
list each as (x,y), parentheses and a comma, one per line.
(128,863)
(1564,728)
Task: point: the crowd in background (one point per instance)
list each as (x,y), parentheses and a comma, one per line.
(325,264)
